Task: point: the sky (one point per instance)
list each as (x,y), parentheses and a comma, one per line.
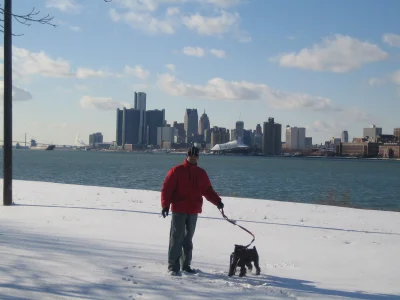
(327,66)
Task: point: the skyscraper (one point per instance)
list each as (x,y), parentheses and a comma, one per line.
(154,119)
(345,137)
(295,137)
(95,138)
(272,138)
(204,123)
(128,121)
(191,124)
(258,129)
(140,105)
(372,133)
(239,131)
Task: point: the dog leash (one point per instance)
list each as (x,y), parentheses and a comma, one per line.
(234,223)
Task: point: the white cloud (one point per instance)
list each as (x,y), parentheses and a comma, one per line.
(321,126)
(75,28)
(193,51)
(26,64)
(64,5)
(220,89)
(144,22)
(396,77)
(223,3)
(173,11)
(376,81)
(102,103)
(18,94)
(146,5)
(225,23)
(137,71)
(336,54)
(392,39)
(83,73)
(170,67)
(218,53)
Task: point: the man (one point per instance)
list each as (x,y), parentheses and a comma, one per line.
(183,189)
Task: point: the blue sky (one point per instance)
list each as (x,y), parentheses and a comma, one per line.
(324,65)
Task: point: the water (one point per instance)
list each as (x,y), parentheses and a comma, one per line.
(366,183)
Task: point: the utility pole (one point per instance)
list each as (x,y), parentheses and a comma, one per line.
(7,160)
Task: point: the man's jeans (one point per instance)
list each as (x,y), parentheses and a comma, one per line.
(181,234)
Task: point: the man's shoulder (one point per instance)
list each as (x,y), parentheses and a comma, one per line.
(176,168)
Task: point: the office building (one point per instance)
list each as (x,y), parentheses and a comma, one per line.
(396,133)
(219,135)
(128,125)
(308,143)
(233,135)
(181,132)
(258,129)
(191,125)
(295,137)
(239,131)
(372,133)
(204,123)
(140,105)
(166,136)
(95,139)
(154,119)
(272,138)
(345,137)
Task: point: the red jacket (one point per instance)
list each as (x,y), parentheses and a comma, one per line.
(184,188)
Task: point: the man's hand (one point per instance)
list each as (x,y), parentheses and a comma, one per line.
(165,212)
(220,205)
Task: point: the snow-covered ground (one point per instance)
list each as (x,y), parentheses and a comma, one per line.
(78,242)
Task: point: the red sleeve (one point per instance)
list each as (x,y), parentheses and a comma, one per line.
(208,191)
(168,188)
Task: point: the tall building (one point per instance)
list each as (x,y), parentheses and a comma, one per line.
(219,135)
(128,124)
(154,119)
(308,143)
(239,131)
(233,135)
(181,132)
(166,136)
(191,124)
(295,137)
(247,137)
(372,133)
(345,137)
(120,117)
(258,129)
(95,138)
(204,123)
(272,138)
(396,133)
(140,105)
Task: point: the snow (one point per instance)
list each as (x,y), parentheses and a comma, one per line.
(81,242)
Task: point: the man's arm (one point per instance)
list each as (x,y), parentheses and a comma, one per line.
(208,191)
(168,188)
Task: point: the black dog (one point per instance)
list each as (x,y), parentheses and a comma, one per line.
(242,257)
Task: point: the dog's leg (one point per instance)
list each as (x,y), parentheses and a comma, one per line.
(249,266)
(242,265)
(256,258)
(232,265)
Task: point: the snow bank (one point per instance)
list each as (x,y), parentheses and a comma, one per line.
(67,241)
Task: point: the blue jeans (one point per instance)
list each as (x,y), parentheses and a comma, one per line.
(180,237)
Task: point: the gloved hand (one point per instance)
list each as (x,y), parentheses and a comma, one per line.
(165,212)
(220,205)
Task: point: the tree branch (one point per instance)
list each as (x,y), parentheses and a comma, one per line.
(29,18)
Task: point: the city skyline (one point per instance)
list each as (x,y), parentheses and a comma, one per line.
(237,58)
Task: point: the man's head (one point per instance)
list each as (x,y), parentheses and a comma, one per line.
(193,154)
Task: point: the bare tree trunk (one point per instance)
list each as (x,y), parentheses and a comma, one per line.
(7,184)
